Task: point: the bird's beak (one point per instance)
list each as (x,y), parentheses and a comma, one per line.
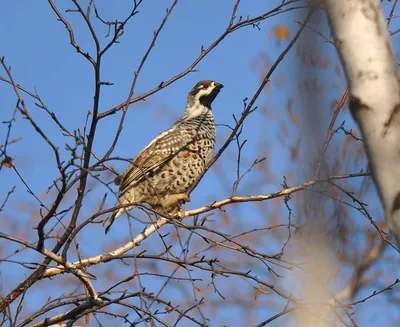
(220,86)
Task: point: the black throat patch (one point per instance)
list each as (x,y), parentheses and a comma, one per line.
(206,100)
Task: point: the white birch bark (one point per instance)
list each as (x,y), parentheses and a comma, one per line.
(364,45)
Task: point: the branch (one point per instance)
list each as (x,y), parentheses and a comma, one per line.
(163,220)
(136,75)
(71,34)
(249,108)
(204,52)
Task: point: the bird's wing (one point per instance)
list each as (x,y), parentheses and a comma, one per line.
(155,154)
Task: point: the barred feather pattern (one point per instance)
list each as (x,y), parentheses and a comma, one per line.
(163,172)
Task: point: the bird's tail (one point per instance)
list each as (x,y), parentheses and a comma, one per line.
(110,219)
(117,212)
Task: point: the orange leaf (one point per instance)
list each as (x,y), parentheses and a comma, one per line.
(260,290)
(7,162)
(281,32)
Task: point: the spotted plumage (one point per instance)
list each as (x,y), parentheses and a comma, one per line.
(163,173)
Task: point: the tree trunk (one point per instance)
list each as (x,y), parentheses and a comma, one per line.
(364,44)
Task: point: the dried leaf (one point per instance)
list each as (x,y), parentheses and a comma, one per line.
(7,162)
(281,32)
(294,153)
(292,116)
(87,319)
(260,290)
(225,219)
(118,180)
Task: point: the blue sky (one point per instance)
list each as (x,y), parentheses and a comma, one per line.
(37,48)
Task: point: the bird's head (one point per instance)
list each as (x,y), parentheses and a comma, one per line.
(204,93)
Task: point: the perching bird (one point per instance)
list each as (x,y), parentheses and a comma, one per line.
(165,170)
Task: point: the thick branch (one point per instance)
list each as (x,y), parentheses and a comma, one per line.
(365,48)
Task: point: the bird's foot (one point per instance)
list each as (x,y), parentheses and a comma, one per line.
(181,213)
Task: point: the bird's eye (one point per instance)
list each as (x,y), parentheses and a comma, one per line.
(205,86)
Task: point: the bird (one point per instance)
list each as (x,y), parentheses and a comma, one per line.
(163,173)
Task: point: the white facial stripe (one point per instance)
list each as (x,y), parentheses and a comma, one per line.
(205,91)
